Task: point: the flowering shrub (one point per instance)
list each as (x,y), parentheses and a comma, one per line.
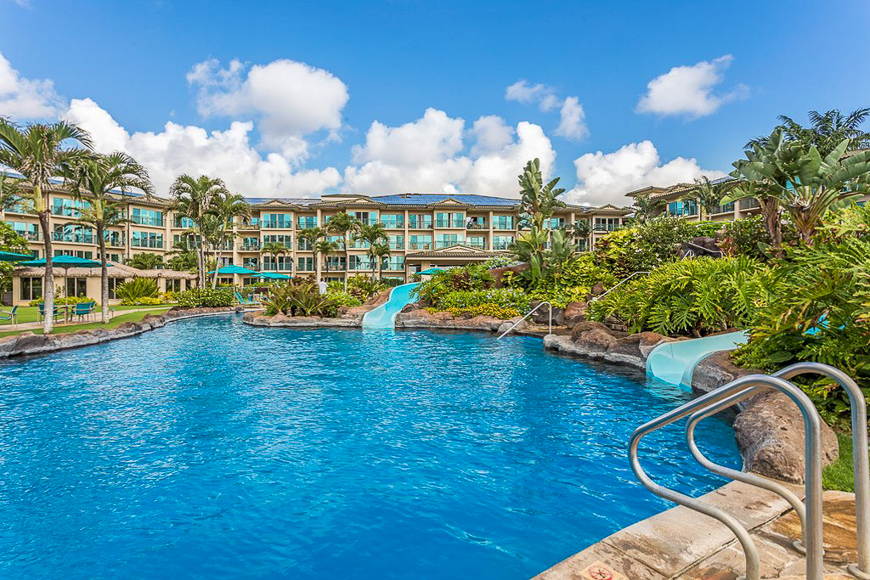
(143,301)
(342,298)
(205,297)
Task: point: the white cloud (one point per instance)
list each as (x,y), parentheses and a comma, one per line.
(22,98)
(288,99)
(188,149)
(428,155)
(688,90)
(606,177)
(572,124)
(572,117)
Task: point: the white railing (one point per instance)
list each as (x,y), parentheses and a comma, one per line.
(618,284)
(532,311)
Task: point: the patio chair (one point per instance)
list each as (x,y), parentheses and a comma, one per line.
(11,315)
(54,314)
(84,309)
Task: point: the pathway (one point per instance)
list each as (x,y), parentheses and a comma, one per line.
(75,322)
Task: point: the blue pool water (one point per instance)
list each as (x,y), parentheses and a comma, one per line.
(211,449)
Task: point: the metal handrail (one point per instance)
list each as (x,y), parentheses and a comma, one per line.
(860,462)
(532,311)
(745,386)
(618,284)
(721,253)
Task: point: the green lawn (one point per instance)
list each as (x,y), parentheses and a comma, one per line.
(114,323)
(839,475)
(29,313)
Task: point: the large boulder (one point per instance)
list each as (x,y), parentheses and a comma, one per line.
(634,348)
(593,336)
(542,314)
(700,246)
(498,273)
(574,313)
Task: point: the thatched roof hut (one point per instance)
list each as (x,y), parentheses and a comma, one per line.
(115,271)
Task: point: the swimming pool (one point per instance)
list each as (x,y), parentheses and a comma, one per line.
(209,448)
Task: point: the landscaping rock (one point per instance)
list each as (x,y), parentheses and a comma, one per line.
(574,312)
(634,348)
(498,273)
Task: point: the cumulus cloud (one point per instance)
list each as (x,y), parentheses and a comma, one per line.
(288,99)
(182,149)
(604,178)
(688,90)
(428,155)
(572,117)
(25,99)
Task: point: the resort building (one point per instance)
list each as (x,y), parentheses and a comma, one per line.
(677,205)
(424,231)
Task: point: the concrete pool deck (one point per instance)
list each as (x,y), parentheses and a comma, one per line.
(681,544)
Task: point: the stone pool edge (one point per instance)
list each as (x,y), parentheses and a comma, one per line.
(28,343)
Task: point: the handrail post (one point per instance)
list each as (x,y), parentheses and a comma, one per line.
(860,462)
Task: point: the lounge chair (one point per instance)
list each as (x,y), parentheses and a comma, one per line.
(85,309)
(54,314)
(246,301)
(11,315)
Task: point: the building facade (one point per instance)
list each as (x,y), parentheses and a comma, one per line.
(424,231)
(676,205)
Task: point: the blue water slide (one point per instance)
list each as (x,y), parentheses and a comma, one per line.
(674,362)
(384,316)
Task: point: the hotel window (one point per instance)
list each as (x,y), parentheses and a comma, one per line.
(250,223)
(77,253)
(173,285)
(582,245)
(184,222)
(286,240)
(305,264)
(356,244)
(76,287)
(67,207)
(31,289)
(115,282)
(476,223)
(336,263)
(682,208)
(276,221)
(273,263)
(304,245)
(504,222)
(726,208)
(420,242)
(357,263)
(146,240)
(749,203)
(111,257)
(114,238)
(147,217)
(555,223)
(365,216)
(250,244)
(450,220)
(477,242)
(251,263)
(393,263)
(607,224)
(420,222)
(393,221)
(447,240)
(307,221)
(29,232)
(73,233)
(397,242)
(502,242)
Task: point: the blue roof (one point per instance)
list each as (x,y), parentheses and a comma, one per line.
(428,198)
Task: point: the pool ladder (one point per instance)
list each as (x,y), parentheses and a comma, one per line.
(810,515)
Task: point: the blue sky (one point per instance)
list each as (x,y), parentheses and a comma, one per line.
(354,116)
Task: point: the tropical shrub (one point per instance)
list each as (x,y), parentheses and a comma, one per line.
(144,301)
(467,278)
(136,289)
(487,309)
(462,300)
(65,300)
(361,287)
(749,237)
(206,298)
(500,262)
(697,297)
(342,298)
(300,298)
(821,311)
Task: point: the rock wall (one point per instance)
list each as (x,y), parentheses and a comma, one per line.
(280,320)
(29,343)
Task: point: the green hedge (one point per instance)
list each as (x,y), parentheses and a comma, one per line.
(206,298)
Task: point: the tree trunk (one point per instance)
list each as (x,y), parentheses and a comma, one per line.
(104,276)
(200,253)
(217,266)
(48,281)
(770,213)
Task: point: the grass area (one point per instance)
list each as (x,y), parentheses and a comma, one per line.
(839,475)
(114,323)
(30,313)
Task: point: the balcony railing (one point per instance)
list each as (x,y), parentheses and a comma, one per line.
(393,224)
(476,226)
(420,245)
(145,244)
(509,226)
(147,221)
(72,238)
(749,203)
(448,223)
(65,211)
(447,244)
(29,236)
(115,243)
(608,227)
(420,225)
(479,245)
(276,225)
(249,247)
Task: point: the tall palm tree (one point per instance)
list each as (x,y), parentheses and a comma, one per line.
(325,248)
(10,192)
(708,195)
(145,261)
(192,198)
(183,255)
(92,179)
(38,153)
(372,234)
(274,249)
(224,208)
(826,130)
(380,251)
(645,208)
(342,224)
(581,229)
(311,236)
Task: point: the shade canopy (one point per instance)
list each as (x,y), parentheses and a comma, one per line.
(235,270)
(272,276)
(66,262)
(430,271)
(12,257)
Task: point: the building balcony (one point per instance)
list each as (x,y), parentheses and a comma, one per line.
(144,221)
(420,226)
(249,247)
(607,228)
(476,226)
(420,246)
(72,238)
(29,236)
(150,245)
(393,225)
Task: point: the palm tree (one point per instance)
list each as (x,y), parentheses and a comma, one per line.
(581,229)
(645,208)
(372,234)
(708,195)
(826,131)
(224,208)
(325,248)
(538,200)
(274,249)
(342,224)
(380,251)
(93,179)
(183,255)
(145,261)
(192,198)
(10,192)
(311,236)
(37,152)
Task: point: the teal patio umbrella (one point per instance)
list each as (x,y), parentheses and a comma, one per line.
(13,257)
(272,276)
(235,270)
(430,271)
(65,262)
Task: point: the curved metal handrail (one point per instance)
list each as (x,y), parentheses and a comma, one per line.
(860,461)
(743,476)
(532,311)
(618,284)
(812,428)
